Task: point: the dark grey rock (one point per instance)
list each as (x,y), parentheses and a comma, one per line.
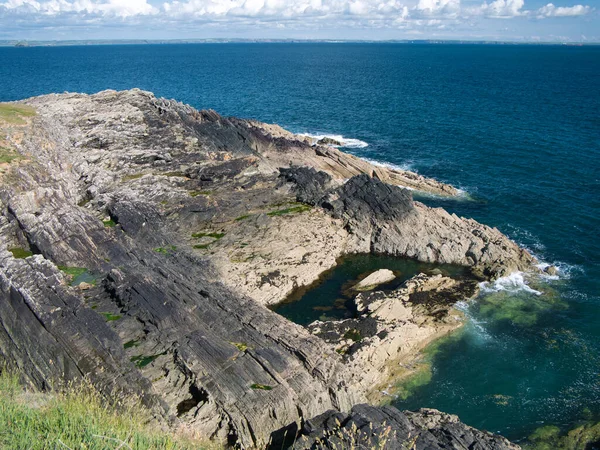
(368,427)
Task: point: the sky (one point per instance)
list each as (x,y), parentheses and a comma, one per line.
(505,20)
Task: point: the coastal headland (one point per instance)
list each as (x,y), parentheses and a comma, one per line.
(143,242)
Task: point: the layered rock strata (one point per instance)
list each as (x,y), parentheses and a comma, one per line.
(146,238)
(386,428)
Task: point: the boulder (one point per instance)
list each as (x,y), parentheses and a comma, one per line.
(375,279)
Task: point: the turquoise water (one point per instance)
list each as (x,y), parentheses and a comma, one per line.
(517,127)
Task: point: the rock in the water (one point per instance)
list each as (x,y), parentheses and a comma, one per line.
(386,428)
(375,279)
(329,141)
(552,270)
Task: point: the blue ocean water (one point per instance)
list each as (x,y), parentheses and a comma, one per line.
(516,127)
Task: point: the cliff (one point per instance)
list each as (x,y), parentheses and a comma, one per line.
(141,241)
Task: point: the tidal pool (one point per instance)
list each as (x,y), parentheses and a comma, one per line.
(330,297)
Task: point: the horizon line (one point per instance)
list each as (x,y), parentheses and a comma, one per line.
(83,42)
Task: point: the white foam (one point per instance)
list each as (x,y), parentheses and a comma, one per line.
(402,168)
(512,283)
(346,142)
(478,329)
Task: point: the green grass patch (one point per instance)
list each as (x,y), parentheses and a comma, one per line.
(174,174)
(216,236)
(165,250)
(78,275)
(73,271)
(109,223)
(79,418)
(201,246)
(261,387)
(131,344)
(198,193)
(353,334)
(110,317)
(241,346)
(8,155)
(292,210)
(134,176)
(244,217)
(14,114)
(20,253)
(142,361)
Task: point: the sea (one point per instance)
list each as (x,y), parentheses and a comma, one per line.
(515,127)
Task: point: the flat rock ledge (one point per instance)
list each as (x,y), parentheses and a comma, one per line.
(141,240)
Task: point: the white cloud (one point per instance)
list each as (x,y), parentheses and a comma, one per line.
(117,8)
(562,11)
(264,14)
(499,9)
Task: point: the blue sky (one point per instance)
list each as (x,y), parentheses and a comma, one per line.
(516,20)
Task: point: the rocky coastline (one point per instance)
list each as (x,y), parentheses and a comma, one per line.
(142,241)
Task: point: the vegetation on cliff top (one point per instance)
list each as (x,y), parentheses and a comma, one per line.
(78,419)
(14,114)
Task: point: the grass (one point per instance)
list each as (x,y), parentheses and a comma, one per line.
(142,361)
(78,275)
(14,114)
(241,346)
(20,253)
(73,271)
(109,223)
(131,344)
(110,317)
(165,250)
(198,193)
(244,217)
(291,210)
(201,246)
(216,236)
(134,176)
(78,418)
(7,155)
(353,334)
(261,387)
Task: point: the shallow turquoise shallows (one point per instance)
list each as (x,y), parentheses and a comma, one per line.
(516,127)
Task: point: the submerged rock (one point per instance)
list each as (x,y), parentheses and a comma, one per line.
(375,279)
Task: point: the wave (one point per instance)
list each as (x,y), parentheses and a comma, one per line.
(346,142)
(515,282)
(402,167)
(565,270)
(477,327)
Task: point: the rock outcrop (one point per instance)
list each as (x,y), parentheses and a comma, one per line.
(390,327)
(367,427)
(147,237)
